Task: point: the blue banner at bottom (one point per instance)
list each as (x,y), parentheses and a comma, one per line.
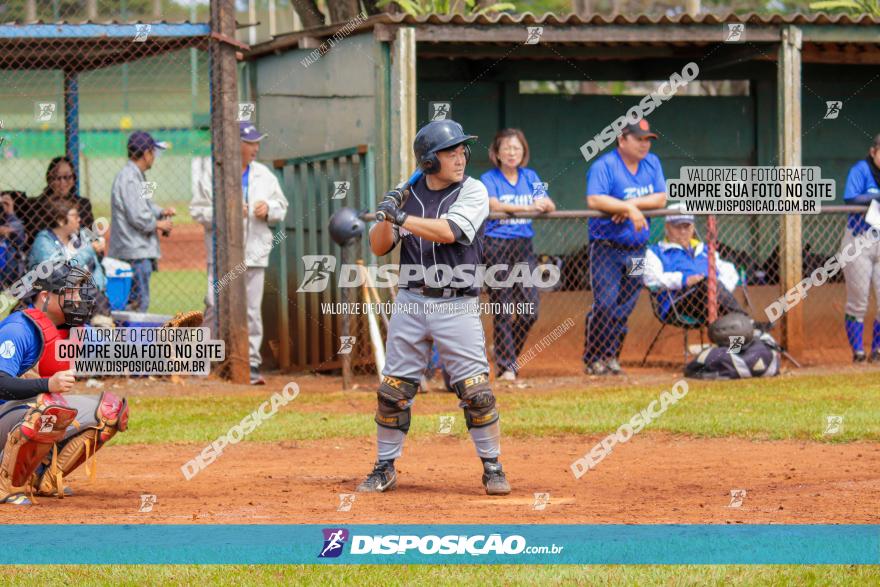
(442,544)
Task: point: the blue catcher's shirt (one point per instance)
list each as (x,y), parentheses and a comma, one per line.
(859,181)
(524,193)
(20,344)
(609,176)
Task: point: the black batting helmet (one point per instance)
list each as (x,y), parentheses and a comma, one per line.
(735,324)
(74,284)
(436,136)
(346,226)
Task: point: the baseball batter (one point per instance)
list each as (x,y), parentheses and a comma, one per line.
(439,223)
(46,435)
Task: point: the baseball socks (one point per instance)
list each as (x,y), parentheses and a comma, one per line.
(487,441)
(855,332)
(875,343)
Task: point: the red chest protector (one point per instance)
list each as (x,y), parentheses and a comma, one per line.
(48,365)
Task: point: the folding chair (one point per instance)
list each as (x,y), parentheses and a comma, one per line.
(675,317)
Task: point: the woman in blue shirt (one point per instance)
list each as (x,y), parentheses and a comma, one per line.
(512,187)
(862,187)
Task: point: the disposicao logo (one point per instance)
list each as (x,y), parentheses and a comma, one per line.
(334,541)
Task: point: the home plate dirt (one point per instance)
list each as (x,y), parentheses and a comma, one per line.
(655,478)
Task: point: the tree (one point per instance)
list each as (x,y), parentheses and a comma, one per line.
(854,7)
(343,10)
(308,13)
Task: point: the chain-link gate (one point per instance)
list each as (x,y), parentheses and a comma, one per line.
(653,315)
(82,108)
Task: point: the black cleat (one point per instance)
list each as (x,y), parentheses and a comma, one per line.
(859,357)
(875,356)
(383,478)
(494,479)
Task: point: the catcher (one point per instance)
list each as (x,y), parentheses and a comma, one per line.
(46,435)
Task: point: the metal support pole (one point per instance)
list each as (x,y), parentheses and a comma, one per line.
(346,322)
(71,120)
(789,132)
(228,218)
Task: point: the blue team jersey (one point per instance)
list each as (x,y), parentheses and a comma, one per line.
(859,181)
(524,193)
(609,176)
(20,344)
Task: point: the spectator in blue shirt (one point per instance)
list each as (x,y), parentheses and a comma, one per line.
(512,187)
(12,242)
(621,184)
(862,187)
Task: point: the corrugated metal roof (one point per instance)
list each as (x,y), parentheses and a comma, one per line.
(484,22)
(820,18)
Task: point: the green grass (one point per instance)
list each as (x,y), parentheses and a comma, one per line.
(177,291)
(781,408)
(437,575)
(791,407)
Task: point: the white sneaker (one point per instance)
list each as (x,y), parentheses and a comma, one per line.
(508,376)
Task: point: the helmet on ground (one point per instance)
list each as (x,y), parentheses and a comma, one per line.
(734,324)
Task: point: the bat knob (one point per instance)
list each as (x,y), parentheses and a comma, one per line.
(380,216)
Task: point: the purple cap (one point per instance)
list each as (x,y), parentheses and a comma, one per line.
(249,132)
(141,140)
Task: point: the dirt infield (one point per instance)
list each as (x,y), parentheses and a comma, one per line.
(655,478)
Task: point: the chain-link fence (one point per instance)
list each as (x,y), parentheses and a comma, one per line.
(73,106)
(637,304)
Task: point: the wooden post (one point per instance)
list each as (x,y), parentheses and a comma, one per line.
(789,131)
(228,217)
(403,105)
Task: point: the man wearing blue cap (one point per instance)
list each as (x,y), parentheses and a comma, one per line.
(264,205)
(136,219)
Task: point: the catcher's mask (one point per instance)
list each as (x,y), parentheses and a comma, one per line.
(735,324)
(76,288)
(439,135)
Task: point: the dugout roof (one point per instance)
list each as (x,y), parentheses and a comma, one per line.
(87,46)
(826,38)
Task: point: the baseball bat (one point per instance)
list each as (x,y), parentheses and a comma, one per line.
(375,337)
(380,216)
(371,293)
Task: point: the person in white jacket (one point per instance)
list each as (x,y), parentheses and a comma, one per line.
(264,205)
(679,265)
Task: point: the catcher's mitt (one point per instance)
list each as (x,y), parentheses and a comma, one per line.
(192,319)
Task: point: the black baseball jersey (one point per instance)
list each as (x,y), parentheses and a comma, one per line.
(465,204)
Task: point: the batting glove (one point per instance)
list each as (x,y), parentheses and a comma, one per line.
(392,213)
(396,196)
